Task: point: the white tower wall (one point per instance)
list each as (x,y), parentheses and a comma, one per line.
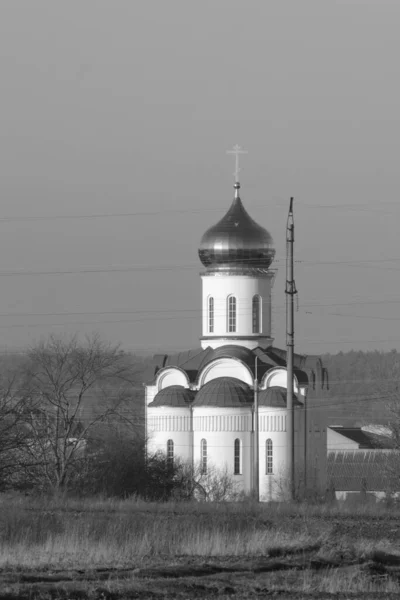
(170,423)
(244,287)
(272,426)
(220,427)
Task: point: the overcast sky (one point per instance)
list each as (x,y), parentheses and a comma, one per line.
(127,108)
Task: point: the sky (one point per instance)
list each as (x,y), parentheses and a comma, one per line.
(115,122)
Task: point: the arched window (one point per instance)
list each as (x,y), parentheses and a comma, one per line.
(203,456)
(211,314)
(231,324)
(269,458)
(236,469)
(256,314)
(170,452)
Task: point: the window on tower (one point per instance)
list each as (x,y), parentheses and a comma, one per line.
(170,453)
(256,314)
(211,314)
(231,325)
(236,468)
(203,456)
(269,457)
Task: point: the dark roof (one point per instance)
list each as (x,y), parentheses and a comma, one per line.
(245,355)
(275,397)
(224,392)
(193,361)
(353,471)
(174,395)
(279,355)
(365,439)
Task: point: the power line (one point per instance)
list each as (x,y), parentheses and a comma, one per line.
(153,268)
(354,263)
(359,316)
(217,312)
(180,317)
(352,207)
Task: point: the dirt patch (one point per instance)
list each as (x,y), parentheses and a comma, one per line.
(241,579)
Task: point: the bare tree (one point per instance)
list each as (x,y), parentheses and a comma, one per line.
(62,378)
(14,433)
(213,485)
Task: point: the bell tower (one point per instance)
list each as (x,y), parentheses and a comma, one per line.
(237,282)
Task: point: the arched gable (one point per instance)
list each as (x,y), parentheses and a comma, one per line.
(225,367)
(277,377)
(171,376)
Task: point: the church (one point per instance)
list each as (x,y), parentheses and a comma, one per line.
(222,406)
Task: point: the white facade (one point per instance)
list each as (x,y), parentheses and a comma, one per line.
(212,433)
(174,424)
(249,329)
(273,433)
(225,367)
(219,428)
(219,431)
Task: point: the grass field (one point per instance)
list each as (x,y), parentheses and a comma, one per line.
(55,548)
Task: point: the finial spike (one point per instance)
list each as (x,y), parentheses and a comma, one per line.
(236,151)
(290,222)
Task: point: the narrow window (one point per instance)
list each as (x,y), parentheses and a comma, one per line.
(211,314)
(170,453)
(256,314)
(231,314)
(237,469)
(203,456)
(269,457)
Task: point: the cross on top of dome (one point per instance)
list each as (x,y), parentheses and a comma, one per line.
(236,242)
(237,150)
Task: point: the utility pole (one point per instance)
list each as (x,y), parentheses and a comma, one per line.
(290,293)
(256,439)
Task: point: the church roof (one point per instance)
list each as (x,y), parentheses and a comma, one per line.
(355,470)
(245,355)
(193,361)
(224,392)
(364,439)
(276,397)
(174,395)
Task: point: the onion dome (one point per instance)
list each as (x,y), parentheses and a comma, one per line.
(275,397)
(236,241)
(225,392)
(174,395)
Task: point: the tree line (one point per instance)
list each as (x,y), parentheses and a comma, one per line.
(72,421)
(68,422)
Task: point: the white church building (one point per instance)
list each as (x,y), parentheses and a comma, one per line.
(200,403)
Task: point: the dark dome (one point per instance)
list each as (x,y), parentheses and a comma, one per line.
(174,395)
(224,392)
(275,397)
(236,241)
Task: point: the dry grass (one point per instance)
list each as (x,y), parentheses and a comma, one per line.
(302,549)
(117,534)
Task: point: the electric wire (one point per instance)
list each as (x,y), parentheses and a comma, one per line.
(277,200)
(355,263)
